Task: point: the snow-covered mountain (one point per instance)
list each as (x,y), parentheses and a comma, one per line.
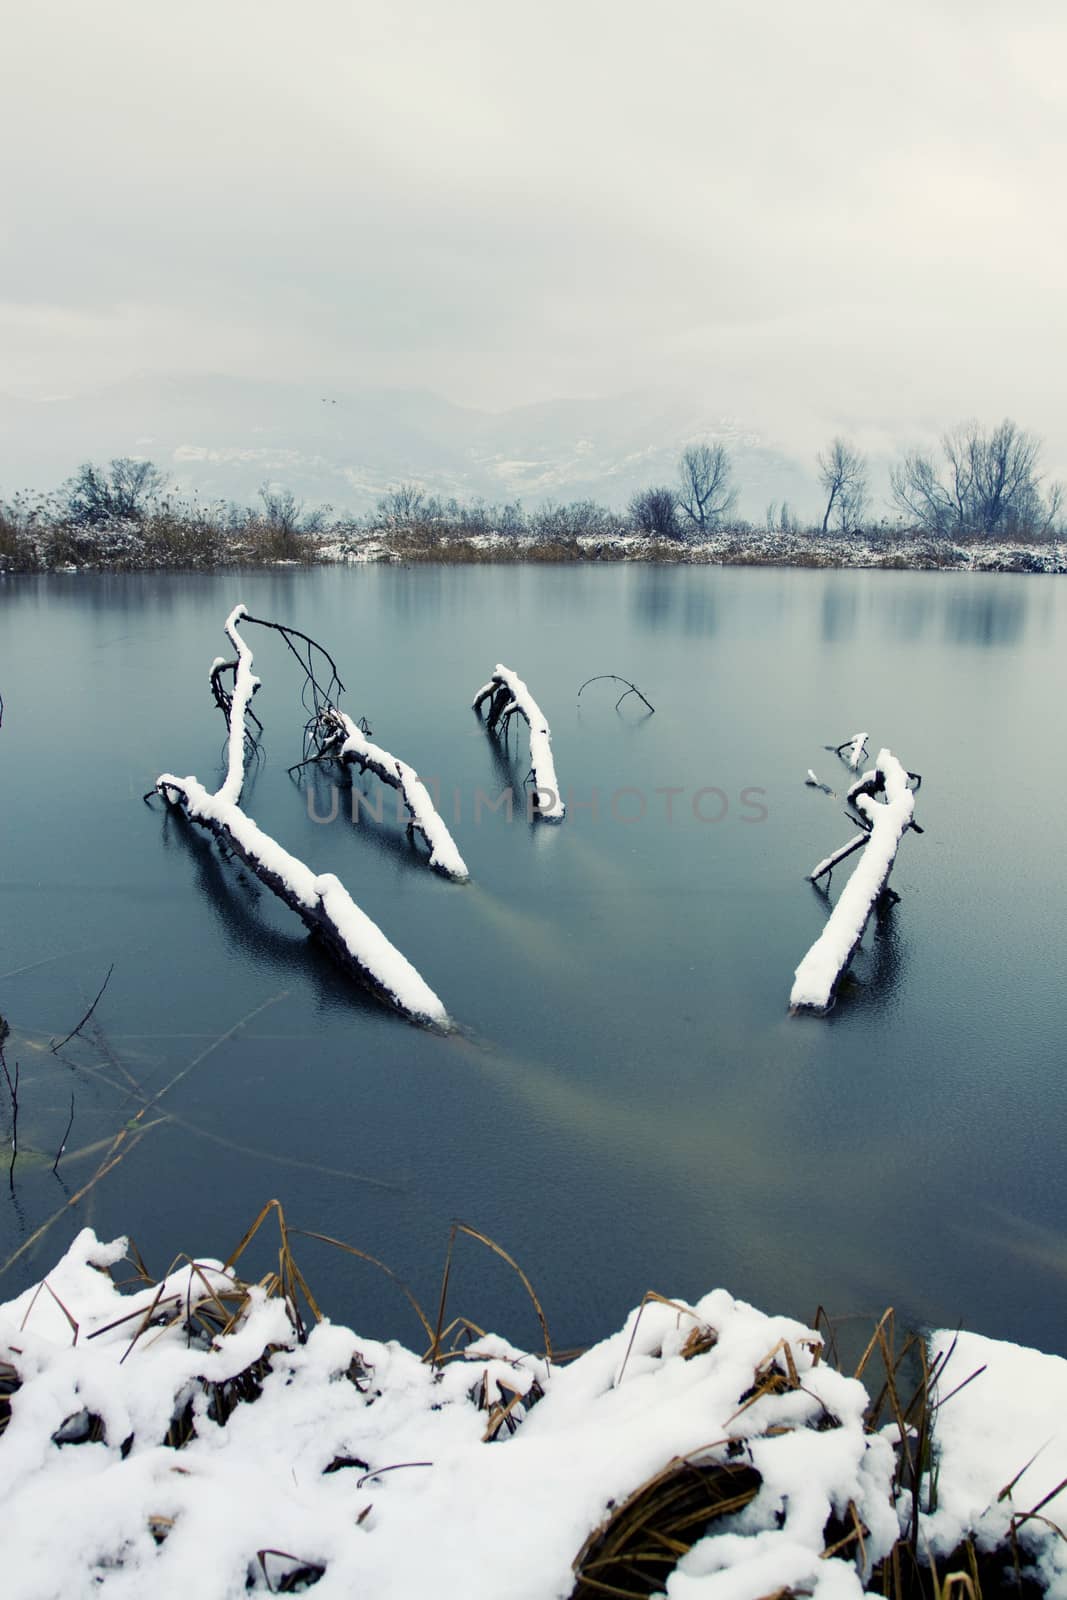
(223,437)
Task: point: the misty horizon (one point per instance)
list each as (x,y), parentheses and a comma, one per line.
(834,221)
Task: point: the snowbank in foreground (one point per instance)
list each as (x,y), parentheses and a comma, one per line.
(1007,1428)
(302,1469)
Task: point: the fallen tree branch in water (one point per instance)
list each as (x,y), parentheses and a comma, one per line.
(855,747)
(885,822)
(319,899)
(342,739)
(831,861)
(330,734)
(507,697)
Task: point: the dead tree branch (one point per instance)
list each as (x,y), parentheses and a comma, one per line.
(508,696)
(885,823)
(827,866)
(856,747)
(322,696)
(330,734)
(341,739)
(66,1135)
(631,688)
(13,1091)
(79,1026)
(320,900)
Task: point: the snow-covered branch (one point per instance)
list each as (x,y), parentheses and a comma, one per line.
(340,737)
(508,696)
(319,899)
(831,861)
(851,750)
(889,819)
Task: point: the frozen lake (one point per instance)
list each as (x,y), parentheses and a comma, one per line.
(626,1103)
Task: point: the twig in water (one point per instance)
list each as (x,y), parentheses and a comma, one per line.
(66,1135)
(129,1136)
(320,696)
(79,1026)
(631,688)
(13,1091)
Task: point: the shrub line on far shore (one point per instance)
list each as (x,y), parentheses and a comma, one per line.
(193,544)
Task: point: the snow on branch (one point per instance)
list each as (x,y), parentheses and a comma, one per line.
(319,899)
(338,736)
(886,820)
(831,861)
(851,750)
(508,696)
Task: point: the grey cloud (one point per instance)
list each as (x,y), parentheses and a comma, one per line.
(837,212)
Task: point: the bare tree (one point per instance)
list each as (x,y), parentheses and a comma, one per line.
(404,505)
(706,495)
(655,513)
(284,514)
(990,486)
(123,492)
(843,475)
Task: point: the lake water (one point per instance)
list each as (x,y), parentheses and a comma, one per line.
(626,1103)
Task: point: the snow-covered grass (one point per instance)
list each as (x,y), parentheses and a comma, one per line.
(196,1438)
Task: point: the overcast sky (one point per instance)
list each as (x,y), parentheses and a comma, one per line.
(806,213)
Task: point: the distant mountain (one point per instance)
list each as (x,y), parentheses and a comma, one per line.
(223,437)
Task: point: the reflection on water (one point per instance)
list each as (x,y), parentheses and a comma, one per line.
(624,1056)
(986,616)
(907,612)
(840,607)
(656,594)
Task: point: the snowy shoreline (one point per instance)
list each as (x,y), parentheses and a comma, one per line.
(894,553)
(883,552)
(193,1438)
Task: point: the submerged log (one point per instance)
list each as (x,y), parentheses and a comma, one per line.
(338,736)
(820,972)
(319,899)
(507,697)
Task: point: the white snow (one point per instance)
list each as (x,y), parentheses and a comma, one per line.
(184,1523)
(550,806)
(444,854)
(817,974)
(244,687)
(855,754)
(483,1520)
(1011,1414)
(463,1517)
